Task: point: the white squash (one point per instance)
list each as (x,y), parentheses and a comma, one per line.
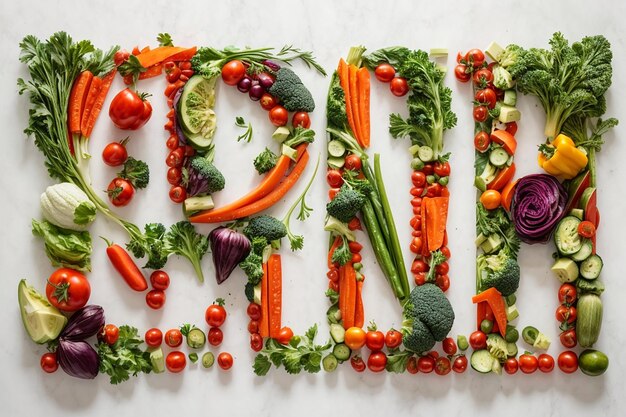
(67,206)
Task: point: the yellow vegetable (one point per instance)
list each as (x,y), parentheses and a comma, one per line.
(561,158)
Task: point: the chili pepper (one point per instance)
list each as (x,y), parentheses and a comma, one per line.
(562,158)
(124,264)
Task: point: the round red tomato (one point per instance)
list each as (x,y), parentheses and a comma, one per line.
(130,111)
(480,113)
(301,119)
(461,74)
(426,364)
(528,363)
(449,346)
(109,334)
(475,57)
(120,192)
(233,71)
(443,282)
(178,194)
(511,366)
(155,299)
(460,364)
(418,178)
(357,363)
(256,342)
(487,97)
(374,340)
(49,362)
(385,72)
(353,162)
(568,362)
(568,338)
(173,338)
(442,169)
(511,127)
(393,339)
(442,366)
(253,326)
(566,314)
(482,141)
(399,86)
(160,280)
(153,337)
(334,178)
(478,340)
(567,294)
(115,154)
(377,361)
(586,229)
(411,365)
(216,336)
(268,101)
(175,158)
(483,77)
(215,314)
(225,360)
(67,289)
(120,56)
(174,175)
(278,116)
(172,142)
(254,311)
(284,335)
(175,361)
(545,363)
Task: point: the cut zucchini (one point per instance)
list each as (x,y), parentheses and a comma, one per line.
(578,213)
(510,97)
(565,270)
(511,350)
(197,203)
(584,252)
(591,267)
(337,332)
(290,152)
(482,361)
(336,163)
(566,237)
(157,360)
(336,148)
(196,338)
(281,134)
(509,114)
(329,363)
(196,103)
(498,157)
(425,153)
(413,149)
(438,52)
(208,359)
(341,352)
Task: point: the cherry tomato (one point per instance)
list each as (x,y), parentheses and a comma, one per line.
(374,340)
(566,314)
(355,224)
(109,334)
(334,178)
(153,337)
(268,101)
(483,77)
(487,97)
(377,361)
(433,190)
(568,338)
(174,175)
(225,360)
(443,282)
(416,245)
(528,363)
(284,335)
(173,75)
(120,192)
(353,162)
(357,363)
(160,280)
(461,74)
(254,311)
(411,365)
(482,140)
(175,158)
(418,178)
(115,153)
(215,314)
(189,151)
(393,339)
(256,342)
(480,113)
(567,294)
(172,142)
(420,278)
(178,194)
(399,86)
(478,340)
(419,266)
(49,362)
(511,366)
(460,364)
(233,71)
(253,326)
(155,299)
(491,199)
(449,346)
(385,72)
(355,338)
(442,169)
(445,251)
(443,268)
(586,229)
(173,338)
(511,127)
(426,364)
(545,363)
(129,111)
(301,119)
(215,336)
(175,361)
(475,57)
(442,366)
(278,116)
(568,362)
(120,57)
(67,289)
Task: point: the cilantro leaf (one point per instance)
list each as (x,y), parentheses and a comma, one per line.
(164,39)
(124,358)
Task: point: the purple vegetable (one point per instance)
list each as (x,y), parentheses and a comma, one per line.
(78,359)
(271,65)
(244,84)
(256,91)
(538,204)
(228,248)
(182,139)
(85,323)
(265,80)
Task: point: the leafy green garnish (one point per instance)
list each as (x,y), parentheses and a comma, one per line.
(183,240)
(164,39)
(124,358)
(247,135)
(85,213)
(66,248)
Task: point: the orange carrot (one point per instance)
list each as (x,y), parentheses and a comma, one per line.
(94,90)
(275,294)
(494,299)
(350,297)
(359,313)
(354,103)
(264,322)
(184,55)
(158,55)
(436,217)
(334,246)
(145,49)
(153,71)
(363,85)
(480,314)
(344,80)
(424,227)
(268,184)
(342,290)
(107,80)
(78,96)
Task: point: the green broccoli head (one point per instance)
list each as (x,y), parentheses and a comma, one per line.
(502,272)
(288,88)
(265,161)
(203,177)
(137,172)
(427,317)
(346,204)
(336,104)
(265,226)
(252,266)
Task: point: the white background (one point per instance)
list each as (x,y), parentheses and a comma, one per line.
(329,29)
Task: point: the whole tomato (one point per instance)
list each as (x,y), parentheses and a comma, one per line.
(233,71)
(120,192)
(357,363)
(393,338)
(215,336)
(528,363)
(67,289)
(215,314)
(568,362)
(175,361)
(377,362)
(109,334)
(355,338)
(284,335)
(374,340)
(385,72)
(49,362)
(256,342)
(129,110)
(153,337)
(155,299)
(225,360)
(399,86)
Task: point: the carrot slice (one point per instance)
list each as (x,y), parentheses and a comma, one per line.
(107,80)
(275,294)
(436,218)
(153,71)
(494,299)
(342,290)
(78,96)
(268,184)
(334,246)
(158,55)
(264,322)
(507,195)
(185,55)
(480,314)
(363,85)
(344,80)
(503,177)
(350,297)
(94,90)
(359,314)
(354,103)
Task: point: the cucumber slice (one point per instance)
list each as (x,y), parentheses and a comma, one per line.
(208,359)
(425,153)
(511,349)
(578,213)
(337,332)
(197,100)
(336,148)
(482,361)
(510,97)
(585,251)
(498,157)
(438,52)
(196,338)
(157,360)
(591,267)
(413,149)
(566,237)
(330,363)
(197,203)
(199,142)
(565,270)
(341,352)
(336,163)
(281,134)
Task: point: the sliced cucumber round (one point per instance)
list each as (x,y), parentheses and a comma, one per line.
(482,361)
(591,267)
(498,157)
(196,114)
(585,251)
(336,148)
(566,236)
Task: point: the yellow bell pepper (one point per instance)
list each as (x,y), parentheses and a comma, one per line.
(561,158)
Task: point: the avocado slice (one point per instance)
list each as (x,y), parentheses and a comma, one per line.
(42,321)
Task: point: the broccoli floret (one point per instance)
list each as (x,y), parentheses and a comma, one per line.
(265,226)
(346,204)
(152,244)
(502,78)
(252,266)
(513,60)
(288,88)
(135,171)
(265,161)
(334,225)
(202,177)
(497,346)
(427,317)
(499,271)
(300,135)
(336,104)
(182,239)
(249,291)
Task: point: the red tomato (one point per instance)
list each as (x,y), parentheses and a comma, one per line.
(443,268)
(442,169)
(174,175)
(528,363)
(399,87)
(175,158)
(215,336)
(385,72)
(268,101)
(426,364)
(172,142)
(475,57)
(225,360)
(357,363)
(115,153)
(487,97)
(418,178)
(566,314)
(301,119)
(568,362)
(334,178)
(160,280)
(511,366)
(129,111)
(419,266)
(233,71)
(49,362)
(442,366)
(480,113)
(278,116)
(478,340)
(120,192)
(393,339)
(420,278)
(511,127)
(173,338)
(178,194)
(284,335)
(433,190)
(256,342)
(443,282)
(449,346)
(175,361)
(567,294)
(155,299)
(568,338)
(109,334)
(153,337)
(460,364)
(254,311)
(445,251)
(67,289)
(461,74)
(411,365)
(353,162)
(483,77)
(586,229)
(374,340)
(546,363)
(253,326)
(120,57)
(215,314)
(377,361)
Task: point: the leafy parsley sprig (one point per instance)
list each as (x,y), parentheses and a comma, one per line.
(124,358)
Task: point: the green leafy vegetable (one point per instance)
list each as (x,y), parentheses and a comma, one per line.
(66,248)
(135,171)
(124,358)
(265,161)
(247,135)
(183,240)
(164,39)
(291,92)
(85,213)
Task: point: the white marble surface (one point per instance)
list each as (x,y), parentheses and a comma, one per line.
(328,28)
